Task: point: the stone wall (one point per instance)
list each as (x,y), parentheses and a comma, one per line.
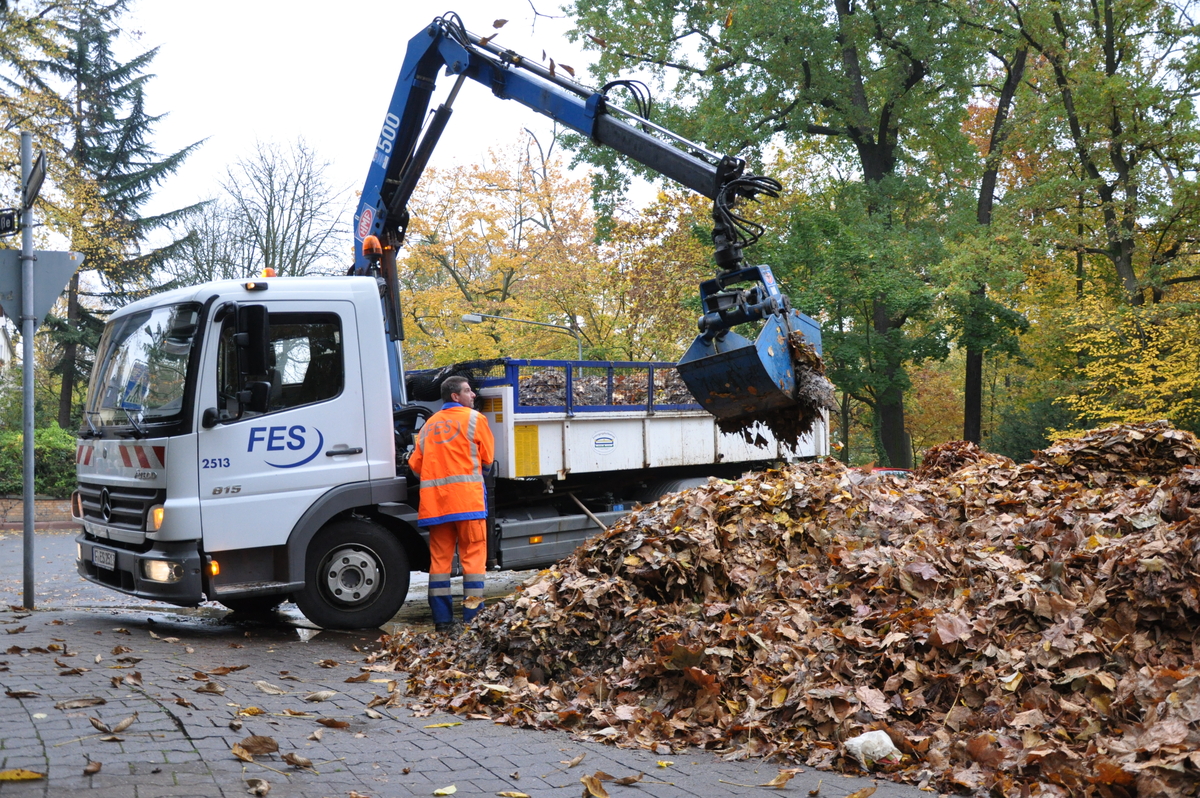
(47,513)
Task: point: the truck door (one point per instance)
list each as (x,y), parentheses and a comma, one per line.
(258,473)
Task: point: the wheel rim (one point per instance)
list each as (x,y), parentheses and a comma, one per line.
(352,575)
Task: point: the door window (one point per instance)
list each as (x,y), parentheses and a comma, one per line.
(305,363)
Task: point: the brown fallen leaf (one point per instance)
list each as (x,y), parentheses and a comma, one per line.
(18,630)
(332,723)
(780,780)
(236,724)
(295,713)
(183,702)
(124,724)
(593,787)
(269,688)
(627,780)
(259,745)
(241,753)
(512,794)
(133,679)
(863,793)
(73,672)
(320,695)
(211,687)
(93,767)
(573,762)
(257,786)
(362,677)
(112,738)
(328,663)
(23,694)
(121,650)
(251,711)
(372,714)
(816,790)
(80,703)
(225,670)
(295,760)
(100,725)
(316,735)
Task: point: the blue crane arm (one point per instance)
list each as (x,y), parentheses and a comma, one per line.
(732,377)
(401,153)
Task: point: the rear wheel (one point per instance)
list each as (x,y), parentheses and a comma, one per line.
(355,576)
(254,605)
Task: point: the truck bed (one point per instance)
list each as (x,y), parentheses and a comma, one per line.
(552,418)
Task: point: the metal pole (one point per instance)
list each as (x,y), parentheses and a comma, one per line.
(27,332)
(571,331)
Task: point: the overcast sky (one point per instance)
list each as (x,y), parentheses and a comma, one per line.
(236,71)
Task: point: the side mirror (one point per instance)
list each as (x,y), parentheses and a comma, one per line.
(210,418)
(253,339)
(260,396)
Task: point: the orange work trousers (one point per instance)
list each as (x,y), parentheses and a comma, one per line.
(470,537)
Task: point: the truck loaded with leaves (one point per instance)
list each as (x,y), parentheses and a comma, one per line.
(236,444)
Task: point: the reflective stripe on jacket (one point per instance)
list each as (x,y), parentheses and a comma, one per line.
(451,451)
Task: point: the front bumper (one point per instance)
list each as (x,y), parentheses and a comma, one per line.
(128,575)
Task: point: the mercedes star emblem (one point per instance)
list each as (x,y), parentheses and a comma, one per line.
(105,506)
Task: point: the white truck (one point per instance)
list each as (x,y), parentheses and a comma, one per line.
(246,441)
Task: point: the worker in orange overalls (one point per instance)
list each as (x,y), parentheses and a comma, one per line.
(453,451)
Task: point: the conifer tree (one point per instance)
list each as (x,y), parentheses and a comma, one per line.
(111,170)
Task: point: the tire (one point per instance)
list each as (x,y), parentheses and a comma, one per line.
(355,576)
(254,605)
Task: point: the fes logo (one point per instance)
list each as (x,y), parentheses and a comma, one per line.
(295,444)
(443,431)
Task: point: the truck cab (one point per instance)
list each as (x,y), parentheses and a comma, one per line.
(204,473)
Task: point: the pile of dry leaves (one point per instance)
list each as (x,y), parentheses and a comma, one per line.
(1015,629)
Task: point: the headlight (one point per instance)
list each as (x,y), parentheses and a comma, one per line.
(76,506)
(154,519)
(162,570)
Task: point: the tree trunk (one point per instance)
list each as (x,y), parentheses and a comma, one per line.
(889,403)
(973,377)
(66,397)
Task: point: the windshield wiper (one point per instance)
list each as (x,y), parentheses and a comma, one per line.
(141,433)
(87,416)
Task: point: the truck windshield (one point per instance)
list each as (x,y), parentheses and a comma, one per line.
(141,366)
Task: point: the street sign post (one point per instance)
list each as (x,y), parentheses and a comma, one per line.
(28,293)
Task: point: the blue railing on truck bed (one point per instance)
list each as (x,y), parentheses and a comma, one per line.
(590,386)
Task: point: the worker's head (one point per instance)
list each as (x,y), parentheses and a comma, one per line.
(457,389)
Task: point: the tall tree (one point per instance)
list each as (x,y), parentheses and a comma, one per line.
(280,202)
(879,81)
(1112,100)
(109,173)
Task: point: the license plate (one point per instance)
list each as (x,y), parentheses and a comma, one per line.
(104,558)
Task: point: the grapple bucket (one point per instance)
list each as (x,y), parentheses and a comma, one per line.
(733,377)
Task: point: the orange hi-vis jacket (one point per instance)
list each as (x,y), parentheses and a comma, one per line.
(452,449)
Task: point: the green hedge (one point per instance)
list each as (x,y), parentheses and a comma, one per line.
(54,462)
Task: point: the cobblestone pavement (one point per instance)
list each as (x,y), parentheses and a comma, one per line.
(84,642)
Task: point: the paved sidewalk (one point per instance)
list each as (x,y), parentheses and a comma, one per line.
(181,743)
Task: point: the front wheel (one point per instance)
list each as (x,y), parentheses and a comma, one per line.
(355,576)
